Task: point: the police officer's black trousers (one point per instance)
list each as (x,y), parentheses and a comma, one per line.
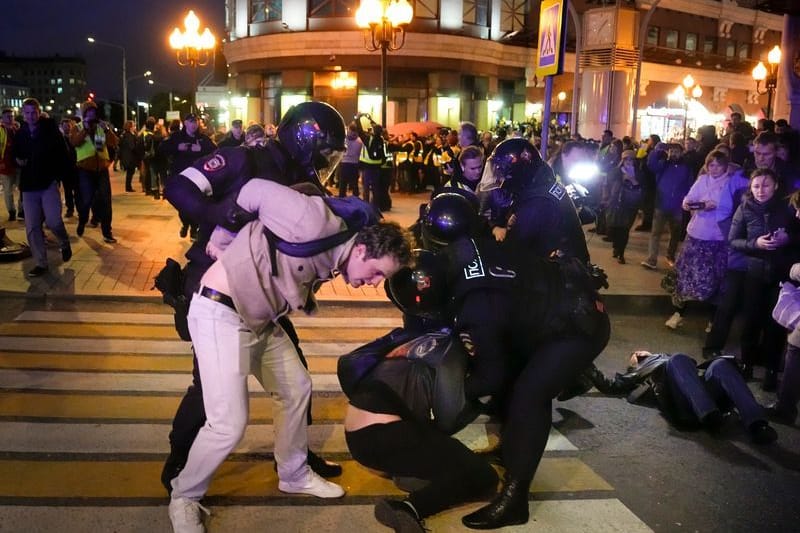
(191,414)
(553,365)
(414,449)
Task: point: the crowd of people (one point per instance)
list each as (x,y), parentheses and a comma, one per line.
(500,316)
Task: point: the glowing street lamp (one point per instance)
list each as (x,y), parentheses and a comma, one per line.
(192,49)
(384,22)
(682,92)
(769,76)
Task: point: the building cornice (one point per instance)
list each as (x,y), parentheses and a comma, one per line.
(348,43)
(724,10)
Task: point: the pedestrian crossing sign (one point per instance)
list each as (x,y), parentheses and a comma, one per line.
(550,50)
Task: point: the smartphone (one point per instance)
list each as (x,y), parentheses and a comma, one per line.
(161,122)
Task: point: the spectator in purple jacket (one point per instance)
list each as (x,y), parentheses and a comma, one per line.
(673,180)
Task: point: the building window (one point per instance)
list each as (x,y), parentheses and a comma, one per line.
(332,8)
(60,90)
(265,10)
(671,40)
(513,14)
(744,51)
(476,12)
(426,9)
(730,49)
(652,35)
(709,45)
(691,42)
(59,81)
(72,81)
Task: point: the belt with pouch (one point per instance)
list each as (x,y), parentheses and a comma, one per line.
(219,297)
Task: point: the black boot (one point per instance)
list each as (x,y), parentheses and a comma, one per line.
(508,508)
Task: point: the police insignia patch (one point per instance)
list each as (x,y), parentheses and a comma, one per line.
(557,191)
(214,163)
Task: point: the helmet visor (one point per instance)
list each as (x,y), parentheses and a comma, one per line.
(326,161)
(492,178)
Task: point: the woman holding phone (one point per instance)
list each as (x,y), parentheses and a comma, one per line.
(701,265)
(765,229)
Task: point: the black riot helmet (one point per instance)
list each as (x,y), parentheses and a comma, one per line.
(513,164)
(419,289)
(448,216)
(313,134)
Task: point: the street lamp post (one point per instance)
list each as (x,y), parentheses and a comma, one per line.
(146,74)
(192,48)
(124,75)
(384,22)
(769,76)
(683,91)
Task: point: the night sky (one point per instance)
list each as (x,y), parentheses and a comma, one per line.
(48,27)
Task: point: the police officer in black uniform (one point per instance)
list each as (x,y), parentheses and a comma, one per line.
(546,219)
(310,141)
(531,326)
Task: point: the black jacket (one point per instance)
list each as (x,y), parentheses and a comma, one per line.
(45,153)
(547,219)
(180,160)
(753,220)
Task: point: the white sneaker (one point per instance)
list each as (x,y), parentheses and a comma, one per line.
(186,515)
(674,321)
(708,327)
(312,484)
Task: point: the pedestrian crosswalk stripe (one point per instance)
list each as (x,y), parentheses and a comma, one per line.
(234,479)
(126,382)
(596,515)
(112,362)
(145,346)
(299,320)
(159,332)
(148,438)
(94,393)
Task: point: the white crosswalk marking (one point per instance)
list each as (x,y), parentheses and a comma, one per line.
(49,417)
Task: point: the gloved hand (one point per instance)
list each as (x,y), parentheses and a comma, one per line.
(231,215)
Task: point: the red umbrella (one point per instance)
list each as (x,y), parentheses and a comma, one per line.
(423,129)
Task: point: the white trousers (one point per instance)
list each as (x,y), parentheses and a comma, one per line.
(227,352)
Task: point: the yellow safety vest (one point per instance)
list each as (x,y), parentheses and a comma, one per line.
(365,158)
(89,147)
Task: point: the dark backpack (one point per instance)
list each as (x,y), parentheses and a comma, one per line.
(356,214)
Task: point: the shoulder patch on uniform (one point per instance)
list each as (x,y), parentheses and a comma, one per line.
(557,191)
(214,163)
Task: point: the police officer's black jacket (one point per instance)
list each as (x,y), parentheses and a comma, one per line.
(547,219)
(223,173)
(505,301)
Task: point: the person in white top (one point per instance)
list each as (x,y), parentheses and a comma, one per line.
(700,267)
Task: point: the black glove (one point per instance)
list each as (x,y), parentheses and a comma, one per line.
(230,215)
